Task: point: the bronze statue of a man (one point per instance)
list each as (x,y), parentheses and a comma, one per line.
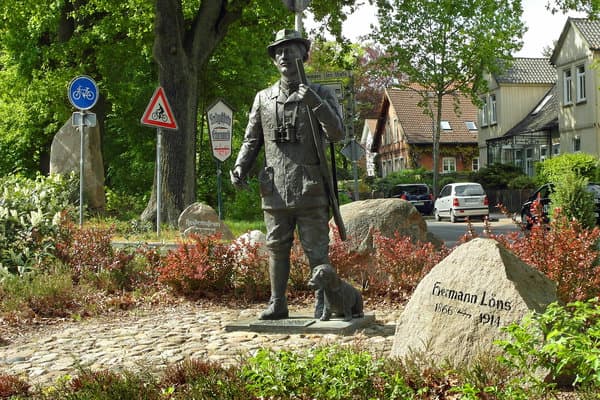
(291,183)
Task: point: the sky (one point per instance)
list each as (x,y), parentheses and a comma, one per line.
(543,27)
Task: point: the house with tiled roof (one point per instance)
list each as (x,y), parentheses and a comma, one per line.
(558,103)
(511,97)
(404,133)
(575,55)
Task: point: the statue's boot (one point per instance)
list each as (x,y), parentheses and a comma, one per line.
(319,302)
(279,271)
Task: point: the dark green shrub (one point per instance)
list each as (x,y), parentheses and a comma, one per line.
(583,165)
(522,182)
(497,176)
(571,199)
(385,184)
(247,204)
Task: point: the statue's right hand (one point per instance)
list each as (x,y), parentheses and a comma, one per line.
(236,178)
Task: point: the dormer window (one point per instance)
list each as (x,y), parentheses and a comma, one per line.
(471,125)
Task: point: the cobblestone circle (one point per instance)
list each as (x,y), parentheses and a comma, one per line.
(155,338)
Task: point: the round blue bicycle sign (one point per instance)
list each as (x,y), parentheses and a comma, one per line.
(83,92)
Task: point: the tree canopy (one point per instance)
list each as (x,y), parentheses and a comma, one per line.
(442,47)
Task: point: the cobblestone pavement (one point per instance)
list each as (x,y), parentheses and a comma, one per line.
(152,339)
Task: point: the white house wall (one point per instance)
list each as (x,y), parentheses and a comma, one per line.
(513,103)
(578,121)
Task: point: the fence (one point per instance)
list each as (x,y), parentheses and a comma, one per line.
(512,199)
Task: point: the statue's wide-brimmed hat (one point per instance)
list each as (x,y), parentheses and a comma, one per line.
(286,36)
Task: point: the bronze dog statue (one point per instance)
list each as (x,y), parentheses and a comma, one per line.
(341,298)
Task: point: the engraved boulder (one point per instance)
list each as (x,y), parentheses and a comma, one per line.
(201,219)
(458,309)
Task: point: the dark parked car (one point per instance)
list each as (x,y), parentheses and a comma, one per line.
(418,194)
(542,195)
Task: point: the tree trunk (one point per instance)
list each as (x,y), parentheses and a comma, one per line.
(180,53)
(436,144)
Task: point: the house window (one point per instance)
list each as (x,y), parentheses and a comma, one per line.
(529,162)
(567,90)
(543,152)
(555,149)
(475,164)
(493,115)
(471,125)
(518,159)
(399,164)
(484,112)
(446,126)
(576,144)
(448,165)
(580,92)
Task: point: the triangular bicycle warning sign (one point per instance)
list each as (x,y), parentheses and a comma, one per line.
(158,113)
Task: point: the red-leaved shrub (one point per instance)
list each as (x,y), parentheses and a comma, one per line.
(401,263)
(11,385)
(251,273)
(89,250)
(563,250)
(203,267)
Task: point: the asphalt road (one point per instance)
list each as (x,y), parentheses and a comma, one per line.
(450,233)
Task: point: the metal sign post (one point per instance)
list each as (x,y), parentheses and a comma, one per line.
(159,115)
(220,126)
(158,178)
(83,94)
(353,151)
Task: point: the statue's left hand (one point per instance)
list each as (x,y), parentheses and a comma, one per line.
(309,96)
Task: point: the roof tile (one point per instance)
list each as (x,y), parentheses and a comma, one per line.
(529,70)
(418,126)
(590,29)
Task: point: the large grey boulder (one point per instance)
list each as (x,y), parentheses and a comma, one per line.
(363,218)
(64,159)
(201,219)
(457,310)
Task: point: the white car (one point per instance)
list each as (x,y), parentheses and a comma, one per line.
(461,200)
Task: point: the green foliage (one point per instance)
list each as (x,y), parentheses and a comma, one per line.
(45,295)
(522,182)
(29,214)
(553,169)
(323,373)
(246,205)
(498,176)
(386,183)
(571,199)
(562,342)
